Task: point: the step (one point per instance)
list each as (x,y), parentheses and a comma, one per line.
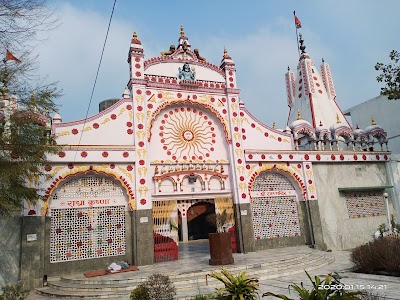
(188,284)
(109,279)
(68,286)
(51,292)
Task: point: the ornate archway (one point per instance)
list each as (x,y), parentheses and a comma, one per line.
(87,218)
(274,205)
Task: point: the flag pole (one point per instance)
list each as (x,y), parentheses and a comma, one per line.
(297,36)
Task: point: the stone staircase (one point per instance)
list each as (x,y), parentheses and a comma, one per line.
(188,284)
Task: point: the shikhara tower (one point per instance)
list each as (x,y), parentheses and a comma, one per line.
(180,145)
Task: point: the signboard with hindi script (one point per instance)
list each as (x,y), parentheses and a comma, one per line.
(258,194)
(80,203)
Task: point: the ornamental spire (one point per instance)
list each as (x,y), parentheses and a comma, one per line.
(337,119)
(182,31)
(299,115)
(373,120)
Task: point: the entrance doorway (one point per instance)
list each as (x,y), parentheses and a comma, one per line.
(198,225)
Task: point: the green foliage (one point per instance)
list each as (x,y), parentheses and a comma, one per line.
(236,286)
(390,75)
(14,292)
(25,143)
(25,136)
(160,287)
(140,293)
(321,290)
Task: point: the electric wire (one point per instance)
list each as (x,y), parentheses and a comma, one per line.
(95,80)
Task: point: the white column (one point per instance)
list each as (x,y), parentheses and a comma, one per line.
(184,231)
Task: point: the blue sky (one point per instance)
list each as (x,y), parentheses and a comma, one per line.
(260,36)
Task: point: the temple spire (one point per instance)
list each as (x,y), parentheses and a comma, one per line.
(182,31)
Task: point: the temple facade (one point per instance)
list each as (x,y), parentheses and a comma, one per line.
(150,171)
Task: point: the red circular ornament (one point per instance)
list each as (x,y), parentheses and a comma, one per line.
(84,154)
(125,154)
(143,201)
(105,154)
(74,131)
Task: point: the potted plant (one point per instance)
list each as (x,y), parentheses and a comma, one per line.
(220,242)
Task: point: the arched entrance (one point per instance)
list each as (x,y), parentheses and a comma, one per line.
(87,219)
(277,213)
(198,221)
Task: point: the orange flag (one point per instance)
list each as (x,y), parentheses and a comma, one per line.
(297,22)
(10,56)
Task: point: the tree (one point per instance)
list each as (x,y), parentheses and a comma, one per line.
(390,75)
(25,123)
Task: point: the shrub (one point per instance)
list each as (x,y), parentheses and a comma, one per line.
(377,256)
(14,292)
(140,293)
(236,287)
(160,287)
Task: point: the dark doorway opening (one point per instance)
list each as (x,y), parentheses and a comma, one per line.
(198,226)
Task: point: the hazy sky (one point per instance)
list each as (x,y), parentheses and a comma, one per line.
(260,36)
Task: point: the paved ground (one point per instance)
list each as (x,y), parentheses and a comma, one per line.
(194,257)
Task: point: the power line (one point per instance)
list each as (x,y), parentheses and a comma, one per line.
(95,80)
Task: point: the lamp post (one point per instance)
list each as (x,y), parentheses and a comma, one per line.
(389,224)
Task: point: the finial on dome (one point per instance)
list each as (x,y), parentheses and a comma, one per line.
(182,31)
(274,125)
(320,123)
(288,68)
(134,37)
(373,120)
(357,126)
(323,60)
(226,55)
(302,46)
(337,119)
(299,115)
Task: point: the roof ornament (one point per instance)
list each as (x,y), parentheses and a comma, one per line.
(182,31)
(320,123)
(288,68)
(337,119)
(357,126)
(196,52)
(373,120)
(226,55)
(323,60)
(299,115)
(135,39)
(302,46)
(171,50)
(274,125)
